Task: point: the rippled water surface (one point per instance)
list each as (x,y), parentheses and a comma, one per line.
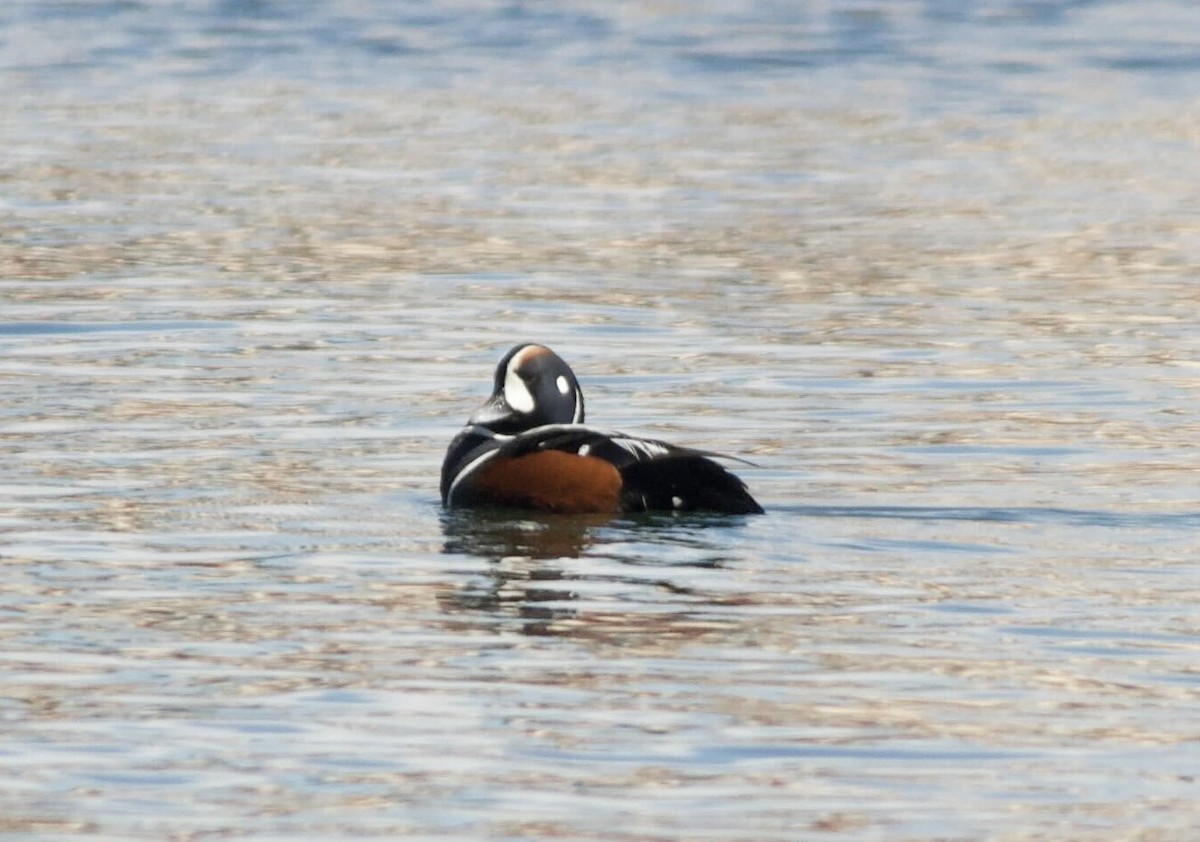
(931,266)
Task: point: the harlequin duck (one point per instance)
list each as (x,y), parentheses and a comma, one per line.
(527,447)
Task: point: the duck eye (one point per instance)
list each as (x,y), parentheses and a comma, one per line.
(525,374)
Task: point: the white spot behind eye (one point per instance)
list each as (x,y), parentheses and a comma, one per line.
(676,502)
(585,449)
(516,392)
(563,385)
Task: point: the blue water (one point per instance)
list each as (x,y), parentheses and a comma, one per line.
(929,266)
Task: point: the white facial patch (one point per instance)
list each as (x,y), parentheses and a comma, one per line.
(515,391)
(563,386)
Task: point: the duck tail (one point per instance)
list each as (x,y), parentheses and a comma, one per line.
(685,482)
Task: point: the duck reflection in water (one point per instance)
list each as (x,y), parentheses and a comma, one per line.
(501,533)
(520,551)
(528,580)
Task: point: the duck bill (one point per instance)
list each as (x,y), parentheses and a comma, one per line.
(495,411)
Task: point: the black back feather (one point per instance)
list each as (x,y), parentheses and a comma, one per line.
(685,482)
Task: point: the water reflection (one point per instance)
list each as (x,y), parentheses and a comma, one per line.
(629,581)
(502,534)
(518,549)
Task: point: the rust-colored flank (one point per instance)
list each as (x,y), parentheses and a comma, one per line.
(551,481)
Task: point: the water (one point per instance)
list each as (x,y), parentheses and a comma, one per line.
(931,266)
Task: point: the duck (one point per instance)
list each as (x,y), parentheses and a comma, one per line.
(528,447)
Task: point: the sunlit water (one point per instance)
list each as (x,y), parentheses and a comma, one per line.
(930,266)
